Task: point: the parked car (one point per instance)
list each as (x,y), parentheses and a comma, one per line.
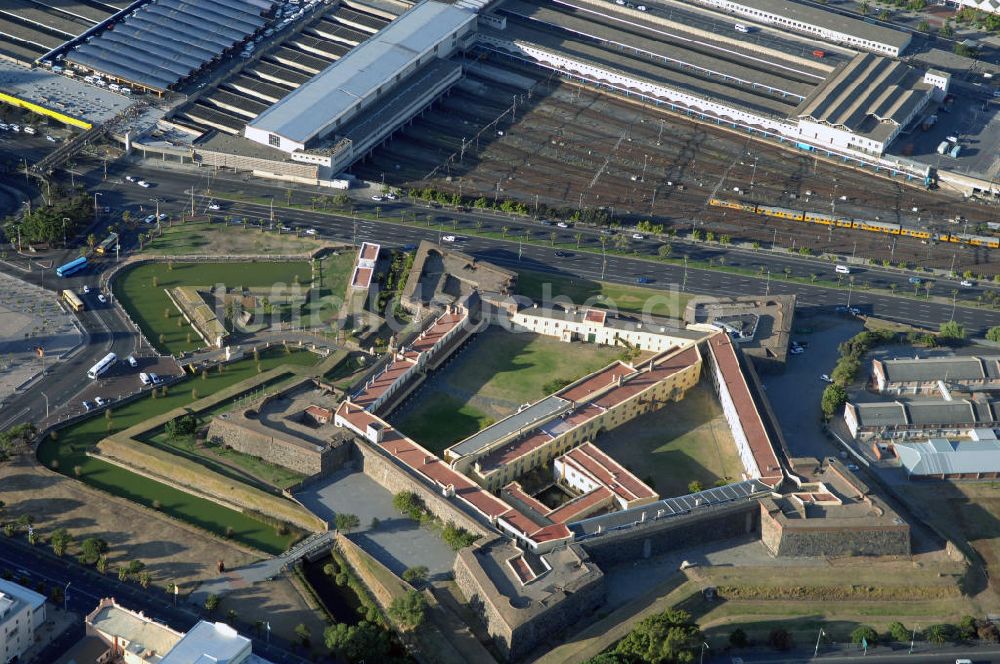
(150,219)
(163,216)
(100,401)
(144,379)
(825,378)
(391,196)
(51,139)
(376,197)
(132,362)
(915,281)
(86,290)
(155,378)
(101,298)
(214,206)
(310,231)
(796,350)
(562,224)
(638,236)
(130,178)
(87,405)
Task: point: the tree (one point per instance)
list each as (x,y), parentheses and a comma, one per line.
(91,550)
(780,639)
(91,240)
(457,537)
(864,634)
(670,636)
(899,632)
(346,522)
(60,541)
(663,251)
(993,334)
(211,603)
(942,633)
(408,611)
(409,503)
(834,398)
(362,641)
(416,576)
(951,332)
(303,633)
(738,639)
(967,627)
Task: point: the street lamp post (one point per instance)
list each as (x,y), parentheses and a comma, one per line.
(96,194)
(46,404)
(64,219)
(66,596)
(818,637)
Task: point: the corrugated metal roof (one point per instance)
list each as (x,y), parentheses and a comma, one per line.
(930,369)
(939,456)
(531,416)
(314,106)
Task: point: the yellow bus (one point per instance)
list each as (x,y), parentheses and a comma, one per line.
(71,298)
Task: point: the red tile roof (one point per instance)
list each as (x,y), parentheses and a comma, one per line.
(595,316)
(652,372)
(362,277)
(595,382)
(580,506)
(608,472)
(442,326)
(378,386)
(721,347)
(515,490)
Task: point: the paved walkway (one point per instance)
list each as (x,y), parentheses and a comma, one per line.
(262,570)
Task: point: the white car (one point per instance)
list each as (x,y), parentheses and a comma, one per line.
(214,206)
(143,184)
(101,298)
(448,238)
(51,139)
(130,178)
(638,236)
(391,196)
(132,362)
(562,224)
(376,197)
(796,350)
(163,216)
(86,290)
(310,231)
(825,378)
(100,401)
(150,219)
(968,283)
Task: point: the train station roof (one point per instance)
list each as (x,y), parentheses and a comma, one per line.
(328,96)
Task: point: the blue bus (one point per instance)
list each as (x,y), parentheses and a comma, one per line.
(72,267)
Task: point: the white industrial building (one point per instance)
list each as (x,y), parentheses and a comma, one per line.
(321,109)
(22,613)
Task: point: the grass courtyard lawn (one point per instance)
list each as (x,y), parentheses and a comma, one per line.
(677,444)
(147,304)
(442,421)
(327,299)
(241,467)
(514,368)
(68,454)
(543,286)
(221,239)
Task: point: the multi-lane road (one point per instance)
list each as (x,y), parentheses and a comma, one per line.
(173,188)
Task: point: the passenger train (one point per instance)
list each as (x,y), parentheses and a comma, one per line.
(862,224)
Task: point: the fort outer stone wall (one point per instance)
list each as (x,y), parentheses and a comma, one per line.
(517,630)
(394,479)
(259,441)
(826,537)
(670,534)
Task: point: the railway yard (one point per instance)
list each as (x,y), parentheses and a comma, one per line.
(573,147)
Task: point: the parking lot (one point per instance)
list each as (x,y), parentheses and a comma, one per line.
(801,383)
(122,381)
(31,317)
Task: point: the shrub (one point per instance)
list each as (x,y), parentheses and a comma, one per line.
(738,639)
(864,634)
(780,639)
(899,632)
(457,537)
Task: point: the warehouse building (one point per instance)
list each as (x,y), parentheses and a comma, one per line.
(939,458)
(923,419)
(406,59)
(827,25)
(866,103)
(916,375)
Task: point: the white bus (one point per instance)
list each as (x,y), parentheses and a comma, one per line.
(106,363)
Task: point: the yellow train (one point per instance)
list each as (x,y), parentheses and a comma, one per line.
(861,224)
